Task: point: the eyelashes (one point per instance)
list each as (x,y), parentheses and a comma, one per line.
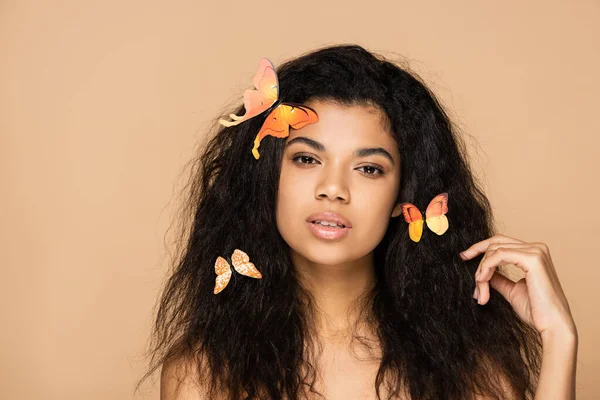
(377,169)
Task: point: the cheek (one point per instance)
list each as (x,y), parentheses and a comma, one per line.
(370,214)
(374,213)
(288,200)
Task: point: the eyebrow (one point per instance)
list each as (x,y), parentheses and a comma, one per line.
(362,152)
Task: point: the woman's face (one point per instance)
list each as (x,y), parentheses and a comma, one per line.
(346,164)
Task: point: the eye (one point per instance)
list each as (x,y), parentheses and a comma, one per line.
(372,170)
(305,159)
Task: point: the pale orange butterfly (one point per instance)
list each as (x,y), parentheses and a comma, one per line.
(241,263)
(266,97)
(434,217)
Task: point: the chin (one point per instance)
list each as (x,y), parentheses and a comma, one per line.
(334,253)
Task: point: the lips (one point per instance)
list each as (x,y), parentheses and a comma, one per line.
(329,233)
(330,216)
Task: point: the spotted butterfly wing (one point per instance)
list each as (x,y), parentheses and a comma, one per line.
(241,263)
(223,271)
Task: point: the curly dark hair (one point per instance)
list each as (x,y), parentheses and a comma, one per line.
(253,338)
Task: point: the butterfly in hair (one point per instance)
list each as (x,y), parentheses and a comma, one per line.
(435,217)
(241,263)
(266,97)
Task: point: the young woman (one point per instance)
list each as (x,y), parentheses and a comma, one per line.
(352,256)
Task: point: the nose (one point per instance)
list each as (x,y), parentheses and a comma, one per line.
(333,186)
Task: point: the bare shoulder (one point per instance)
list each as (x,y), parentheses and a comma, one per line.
(179,380)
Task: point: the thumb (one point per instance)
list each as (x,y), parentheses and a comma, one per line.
(502,284)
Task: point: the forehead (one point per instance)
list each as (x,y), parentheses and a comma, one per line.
(351,126)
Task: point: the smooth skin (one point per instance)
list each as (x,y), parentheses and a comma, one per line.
(349,164)
(332,177)
(538,299)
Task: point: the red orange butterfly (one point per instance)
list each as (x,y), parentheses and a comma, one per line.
(241,263)
(434,217)
(266,97)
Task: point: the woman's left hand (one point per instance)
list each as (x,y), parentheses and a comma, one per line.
(538,299)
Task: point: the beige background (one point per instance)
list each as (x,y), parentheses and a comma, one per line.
(102,102)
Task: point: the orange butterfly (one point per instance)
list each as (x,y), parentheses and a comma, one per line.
(434,216)
(281,116)
(241,263)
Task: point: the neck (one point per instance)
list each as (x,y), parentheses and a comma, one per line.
(336,290)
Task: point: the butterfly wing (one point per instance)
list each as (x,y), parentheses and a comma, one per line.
(265,79)
(223,271)
(413,216)
(241,263)
(260,99)
(279,120)
(435,214)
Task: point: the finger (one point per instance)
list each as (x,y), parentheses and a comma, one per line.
(520,245)
(503,255)
(520,258)
(502,284)
(479,284)
(538,256)
(496,246)
(480,247)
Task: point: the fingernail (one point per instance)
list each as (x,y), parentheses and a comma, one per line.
(462,255)
(477,274)
(476,293)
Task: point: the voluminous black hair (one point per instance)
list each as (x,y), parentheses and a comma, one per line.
(255,337)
